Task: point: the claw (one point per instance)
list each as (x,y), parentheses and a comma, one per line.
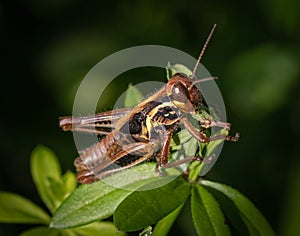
(233,138)
(159,173)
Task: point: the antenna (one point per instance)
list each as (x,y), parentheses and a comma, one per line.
(201,81)
(203,50)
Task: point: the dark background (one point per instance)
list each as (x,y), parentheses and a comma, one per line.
(48,46)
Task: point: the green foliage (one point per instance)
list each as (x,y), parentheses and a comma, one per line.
(207,215)
(46,173)
(164,225)
(17,209)
(173,69)
(143,208)
(132,209)
(255,221)
(135,210)
(53,188)
(83,206)
(136,201)
(132,96)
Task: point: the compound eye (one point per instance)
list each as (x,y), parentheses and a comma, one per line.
(180,93)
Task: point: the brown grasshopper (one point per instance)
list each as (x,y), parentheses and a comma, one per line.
(134,135)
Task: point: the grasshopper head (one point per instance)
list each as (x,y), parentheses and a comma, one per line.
(183,93)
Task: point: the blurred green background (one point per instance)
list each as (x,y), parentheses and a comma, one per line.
(47,47)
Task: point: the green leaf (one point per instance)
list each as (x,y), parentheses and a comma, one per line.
(38,231)
(97,201)
(87,204)
(177,68)
(98,228)
(132,97)
(232,212)
(17,209)
(183,145)
(62,188)
(46,172)
(69,184)
(248,211)
(164,225)
(188,147)
(207,215)
(45,169)
(143,208)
